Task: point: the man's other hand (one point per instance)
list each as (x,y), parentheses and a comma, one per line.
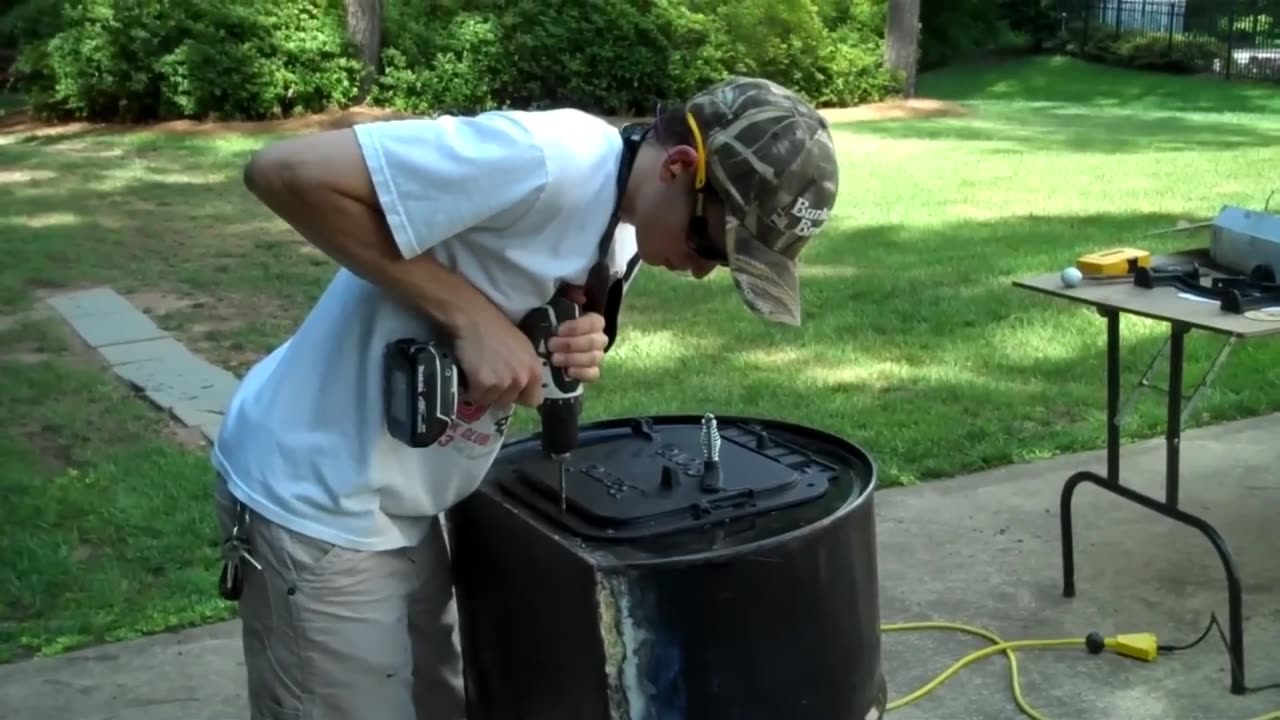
(499,361)
(579,347)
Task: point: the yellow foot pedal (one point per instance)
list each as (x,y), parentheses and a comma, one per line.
(1116,261)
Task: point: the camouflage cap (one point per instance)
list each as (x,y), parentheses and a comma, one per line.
(771,161)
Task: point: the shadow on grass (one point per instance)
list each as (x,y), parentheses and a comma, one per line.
(914,343)
(1077,130)
(1058,79)
(152,214)
(110,518)
(174,228)
(911,347)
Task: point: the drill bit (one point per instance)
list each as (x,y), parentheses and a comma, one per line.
(563,503)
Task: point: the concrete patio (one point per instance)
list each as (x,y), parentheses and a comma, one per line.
(981,550)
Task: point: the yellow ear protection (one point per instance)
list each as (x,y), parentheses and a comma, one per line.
(703,244)
(701,178)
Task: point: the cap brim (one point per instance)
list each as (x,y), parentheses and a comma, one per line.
(767,281)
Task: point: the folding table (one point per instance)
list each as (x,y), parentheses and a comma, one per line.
(1112,298)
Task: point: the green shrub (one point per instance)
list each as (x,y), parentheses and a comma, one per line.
(29,21)
(953,30)
(138,60)
(1257,29)
(851,71)
(623,57)
(451,70)
(830,52)
(610,56)
(1148,51)
(959,30)
(290,58)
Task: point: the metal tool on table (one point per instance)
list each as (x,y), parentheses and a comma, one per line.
(423,382)
(1247,242)
(1182,226)
(1119,265)
(1244,255)
(1241,240)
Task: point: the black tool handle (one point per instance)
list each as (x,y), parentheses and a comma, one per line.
(561,394)
(1185,274)
(540,325)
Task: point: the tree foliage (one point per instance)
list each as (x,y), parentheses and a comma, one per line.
(141,60)
(251,59)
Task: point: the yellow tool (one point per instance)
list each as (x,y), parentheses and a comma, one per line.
(1116,261)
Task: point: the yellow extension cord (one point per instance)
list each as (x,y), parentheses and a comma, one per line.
(1141,646)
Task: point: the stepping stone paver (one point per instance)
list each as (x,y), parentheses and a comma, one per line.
(115,328)
(143,350)
(88,303)
(191,388)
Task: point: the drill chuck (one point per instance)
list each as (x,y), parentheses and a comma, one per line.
(559,426)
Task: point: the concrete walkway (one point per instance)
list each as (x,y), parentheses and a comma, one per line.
(984,550)
(981,550)
(185,385)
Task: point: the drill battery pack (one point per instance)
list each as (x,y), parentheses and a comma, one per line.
(421,384)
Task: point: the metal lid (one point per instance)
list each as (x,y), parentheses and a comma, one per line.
(653,481)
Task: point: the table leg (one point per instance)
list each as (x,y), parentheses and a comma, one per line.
(1173,418)
(1169,506)
(1113,453)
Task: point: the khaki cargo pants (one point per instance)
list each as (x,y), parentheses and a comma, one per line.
(338,634)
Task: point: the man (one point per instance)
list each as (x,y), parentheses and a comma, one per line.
(455,228)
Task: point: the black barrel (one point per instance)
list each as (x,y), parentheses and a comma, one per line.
(701,569)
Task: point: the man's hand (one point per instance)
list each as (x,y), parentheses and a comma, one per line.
(500,364)
(579,346)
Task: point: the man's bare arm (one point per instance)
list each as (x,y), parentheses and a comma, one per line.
(318,183)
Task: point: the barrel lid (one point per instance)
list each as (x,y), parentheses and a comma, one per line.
(655,480)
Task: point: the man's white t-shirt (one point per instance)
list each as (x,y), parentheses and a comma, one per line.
(515,202)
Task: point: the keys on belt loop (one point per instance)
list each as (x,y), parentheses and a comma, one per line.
(235,550)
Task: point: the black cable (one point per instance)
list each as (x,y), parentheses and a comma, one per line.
(1213,620)
(1213,623)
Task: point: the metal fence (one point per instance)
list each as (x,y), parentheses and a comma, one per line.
(1229,38)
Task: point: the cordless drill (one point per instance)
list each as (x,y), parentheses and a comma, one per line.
(423,382)
(561,394)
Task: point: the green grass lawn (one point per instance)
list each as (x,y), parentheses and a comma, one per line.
(915,344)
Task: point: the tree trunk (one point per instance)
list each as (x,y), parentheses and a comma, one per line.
(902,39)
(364,22)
